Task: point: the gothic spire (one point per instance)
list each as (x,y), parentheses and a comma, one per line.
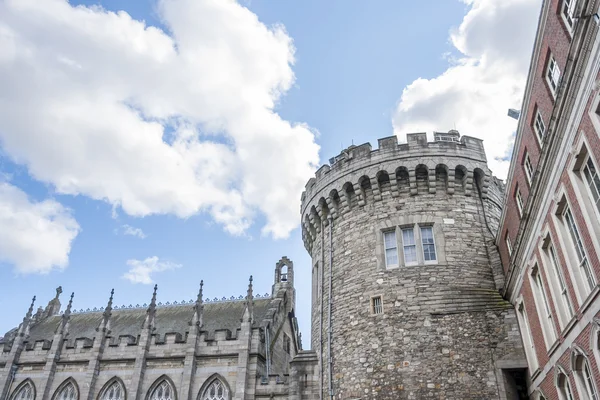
(104,325)
(198,307)
(249,309)
(151,312)
(67,314)
(29,312)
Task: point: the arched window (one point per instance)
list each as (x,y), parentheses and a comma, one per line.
(163,391)
(25,391)
(114,390)
(563,386)
(584,377)
(67,391)
(215,391)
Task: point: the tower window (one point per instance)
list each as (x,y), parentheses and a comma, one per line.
(376,305)
(409,245)
(391,249)
(428,243)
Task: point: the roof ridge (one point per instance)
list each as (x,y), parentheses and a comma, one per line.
(167,304)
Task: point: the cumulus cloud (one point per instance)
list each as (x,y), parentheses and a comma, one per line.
(175,121)
(141,271)
(132,231)
(35,237)
(494,42)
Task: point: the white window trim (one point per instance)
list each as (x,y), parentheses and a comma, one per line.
(528,167)
(428,262)
(565,17)
(542,305)
(556,281)
(585,388)
(527,337)
(561,395)
(519,201)
(387,264)
(416,239)
(508,244)
(539,135)
(576,239)
(551,84)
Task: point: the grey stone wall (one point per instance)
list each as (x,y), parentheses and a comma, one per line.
(444,326)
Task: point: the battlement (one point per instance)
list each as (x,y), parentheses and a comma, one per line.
(445,143)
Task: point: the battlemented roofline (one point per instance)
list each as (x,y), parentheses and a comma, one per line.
(445,144)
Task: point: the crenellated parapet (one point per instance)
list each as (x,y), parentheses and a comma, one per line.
(360,176)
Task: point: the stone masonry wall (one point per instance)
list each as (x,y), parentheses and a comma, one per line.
(444,328)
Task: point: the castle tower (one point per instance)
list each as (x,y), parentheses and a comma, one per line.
(411,308)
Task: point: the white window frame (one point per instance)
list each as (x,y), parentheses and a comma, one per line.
(435,260)
(567,12)
(508,244)
(528,167)
(564,393)
(557,281)
(584,378)
(385,249)
(552,74)
(593,187)
(583,261)
(519,201)
(404,246)
(527,337)
(539,127)
(542,306)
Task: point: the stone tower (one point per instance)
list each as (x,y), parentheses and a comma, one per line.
(412,307)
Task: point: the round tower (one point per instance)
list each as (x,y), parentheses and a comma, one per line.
(411,308)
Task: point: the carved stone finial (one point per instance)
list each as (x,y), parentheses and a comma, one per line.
(153,301)
(30,311)
(58,292)
(250,294)
(68,310)
(149,322)
(199,300)
(108,309)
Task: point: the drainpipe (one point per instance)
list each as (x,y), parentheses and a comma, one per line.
(320,293)
(330,218)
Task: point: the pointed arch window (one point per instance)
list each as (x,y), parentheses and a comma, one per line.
(25,391)
(215,391)
(163,391)
(114,391)
(67,392)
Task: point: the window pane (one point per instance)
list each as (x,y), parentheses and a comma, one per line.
(410,248)
(390,240)
(408,237)
(576,238)
(391,256)
(593,181)
(428,243)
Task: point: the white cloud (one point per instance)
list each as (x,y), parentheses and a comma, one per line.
(140,271)
(132,231)
(35,237)
(96,103)
(495,41)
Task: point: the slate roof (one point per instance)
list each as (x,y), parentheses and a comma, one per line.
(174,318)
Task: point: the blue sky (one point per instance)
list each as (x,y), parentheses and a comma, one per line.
(169,142)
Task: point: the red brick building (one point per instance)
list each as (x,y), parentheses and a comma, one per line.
(549,238)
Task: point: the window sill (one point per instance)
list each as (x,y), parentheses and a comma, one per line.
(569,326)
(536,373)
(590,299)
(553,348)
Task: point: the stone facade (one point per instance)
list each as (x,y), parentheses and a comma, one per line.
(246,347)
(428,329)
